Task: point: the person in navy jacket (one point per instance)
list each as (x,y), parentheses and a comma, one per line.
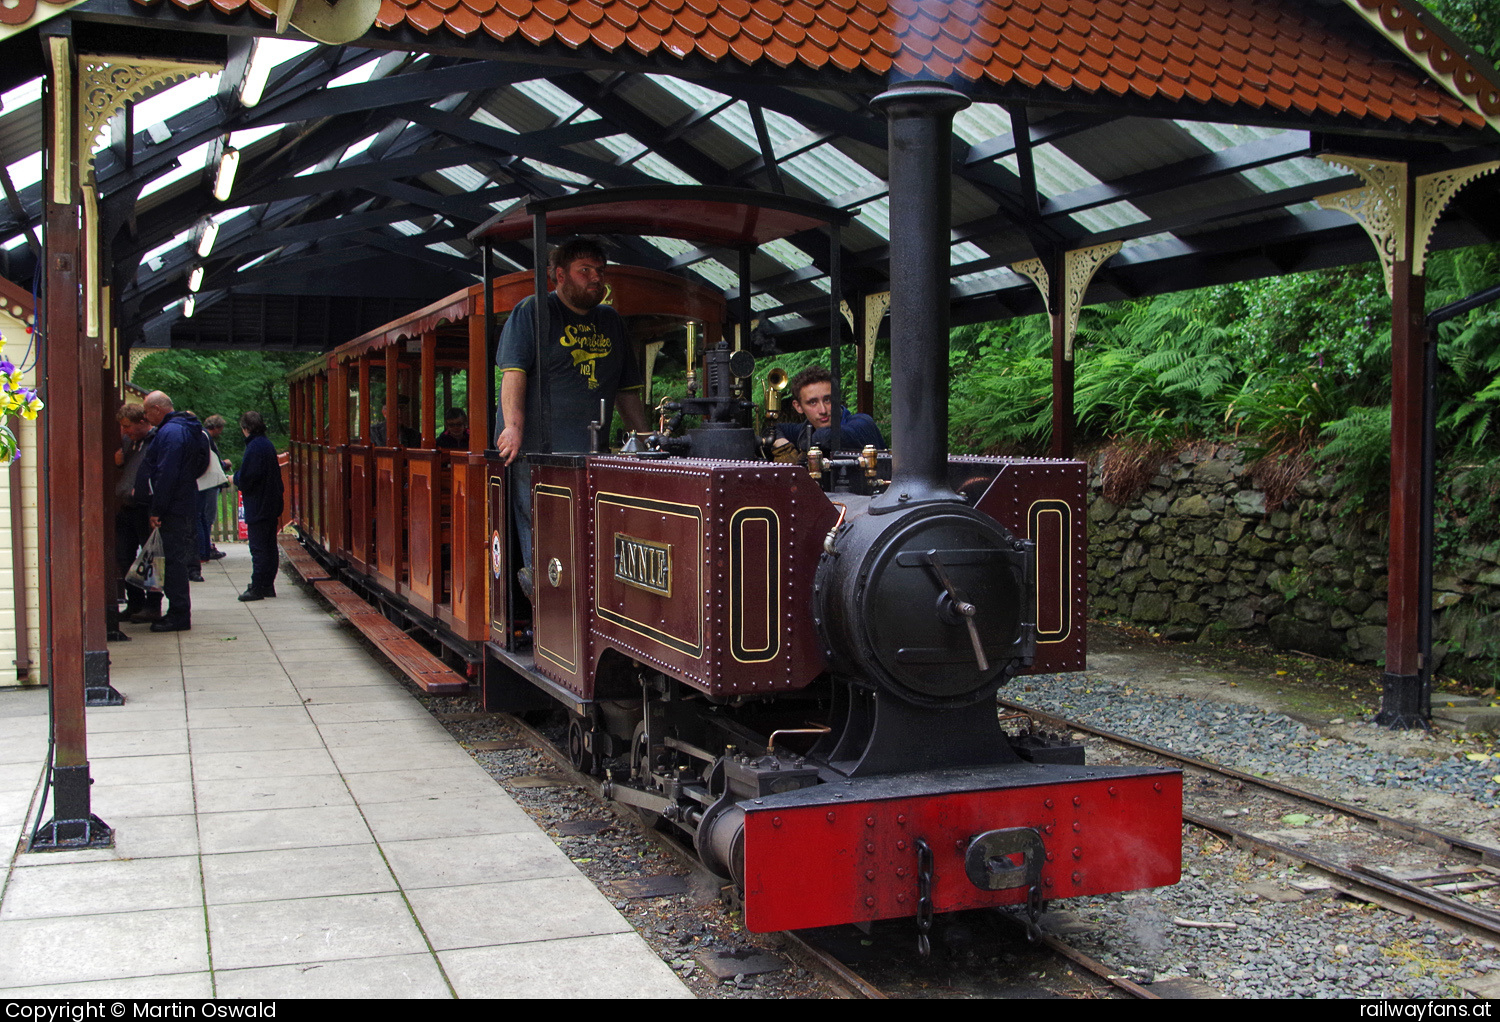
(167,482)
(259,483)
(812,397)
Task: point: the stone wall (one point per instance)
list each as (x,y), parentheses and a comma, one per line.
(1197,555)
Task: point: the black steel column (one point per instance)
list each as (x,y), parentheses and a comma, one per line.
(920,116)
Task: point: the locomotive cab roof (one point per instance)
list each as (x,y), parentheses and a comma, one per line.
(724,217)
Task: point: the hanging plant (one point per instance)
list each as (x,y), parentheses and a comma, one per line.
(15,399)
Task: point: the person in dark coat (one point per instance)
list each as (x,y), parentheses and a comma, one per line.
(259,483)
(169,473)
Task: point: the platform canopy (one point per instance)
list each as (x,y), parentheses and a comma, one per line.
(1189,131)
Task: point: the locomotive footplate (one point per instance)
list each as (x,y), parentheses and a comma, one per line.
(848,851)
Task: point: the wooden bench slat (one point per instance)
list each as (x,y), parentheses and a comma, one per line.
(306,565)
(426,670)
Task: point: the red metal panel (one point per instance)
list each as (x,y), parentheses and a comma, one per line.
(1045,500)
(497,504)
(561,569)
(848,852)
(739,541)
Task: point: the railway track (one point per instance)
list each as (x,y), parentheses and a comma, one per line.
(811,953)
(1435,866)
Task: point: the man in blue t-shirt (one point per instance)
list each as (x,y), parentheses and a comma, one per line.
(812,397)
(587,360)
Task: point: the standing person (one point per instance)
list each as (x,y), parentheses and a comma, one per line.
(132,517)
(587,359)
(176,458)
(259,483)
(208,499)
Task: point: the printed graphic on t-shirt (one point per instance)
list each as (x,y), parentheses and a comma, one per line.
(589,345)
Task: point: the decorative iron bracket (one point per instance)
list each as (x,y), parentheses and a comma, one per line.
(1079,267)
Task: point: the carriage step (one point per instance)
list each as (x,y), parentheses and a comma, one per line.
(306,565)
(424,669)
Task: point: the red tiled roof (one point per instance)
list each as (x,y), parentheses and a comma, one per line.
(1267,55)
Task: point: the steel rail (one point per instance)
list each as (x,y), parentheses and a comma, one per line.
(1361,882)
(836,971)
(1364,884)
(1422,835)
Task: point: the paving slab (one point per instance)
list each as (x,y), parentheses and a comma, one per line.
(264,829)
(186,986)
(173,798)
(615,969)
(399,977)
(292,873)
(79,948)
(262,793)
(312,930)
(41,889)
(549,908)
(281,737)
(222,766)
(117,744)
(476,859)
(279,796)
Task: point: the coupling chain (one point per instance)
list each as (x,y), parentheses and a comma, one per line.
(924,898)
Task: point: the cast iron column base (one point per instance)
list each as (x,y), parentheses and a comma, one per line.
(72,825)
(97,691)
(1401,703)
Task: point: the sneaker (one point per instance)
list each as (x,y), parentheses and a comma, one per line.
(523,578)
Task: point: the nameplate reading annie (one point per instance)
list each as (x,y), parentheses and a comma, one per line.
(643,564)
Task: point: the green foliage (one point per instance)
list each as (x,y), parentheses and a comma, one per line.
(1279,366)
(225,383)
(1476,22)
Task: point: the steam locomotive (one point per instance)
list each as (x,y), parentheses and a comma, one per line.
(795,666)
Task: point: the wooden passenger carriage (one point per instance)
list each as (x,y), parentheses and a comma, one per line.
(413,519)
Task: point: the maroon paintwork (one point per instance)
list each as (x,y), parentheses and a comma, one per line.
(743,540)
(1044,500)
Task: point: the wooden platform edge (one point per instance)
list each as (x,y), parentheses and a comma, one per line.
(307,567)
(425,670)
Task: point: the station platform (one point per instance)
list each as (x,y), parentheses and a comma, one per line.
(289,822)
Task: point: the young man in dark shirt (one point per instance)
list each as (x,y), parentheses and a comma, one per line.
(812,397)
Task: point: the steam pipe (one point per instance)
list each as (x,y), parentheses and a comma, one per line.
(920,116)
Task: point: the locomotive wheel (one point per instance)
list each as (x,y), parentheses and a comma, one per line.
(579,755)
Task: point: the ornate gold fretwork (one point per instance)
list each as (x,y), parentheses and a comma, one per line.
(1379,207)
(1079,267)
(136,354)
(876,307)
(62,120)
(105,84)
(1035,271)
(1434,192)
(90,273)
